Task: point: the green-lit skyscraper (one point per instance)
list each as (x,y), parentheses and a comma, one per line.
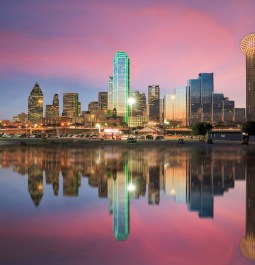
(120,92)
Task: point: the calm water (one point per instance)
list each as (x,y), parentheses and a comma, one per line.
(177,205)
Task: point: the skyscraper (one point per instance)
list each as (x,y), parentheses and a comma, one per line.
(120,92)
(110,93)
(35,105)
(139,107)
(199,98)
(217,101)
(53,110)
(70,104)
(194,101)
(102,100)
(154,103)
(248,48)
(207,88)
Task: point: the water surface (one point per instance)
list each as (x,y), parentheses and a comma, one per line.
(127,205)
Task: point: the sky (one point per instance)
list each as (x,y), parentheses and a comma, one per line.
(68,46)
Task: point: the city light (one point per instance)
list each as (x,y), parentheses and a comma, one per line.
(248,44)
(99,128)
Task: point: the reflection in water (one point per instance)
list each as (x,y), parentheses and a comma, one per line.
(248,243)
(191,176)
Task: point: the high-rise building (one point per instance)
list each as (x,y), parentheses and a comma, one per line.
(93,107)
(175,107)
(70,105)
(154,102)
(217,109)
(53,110)
(194,101)
(199,98)
(229,111)
(207,87)
(110,93)
(248,48)
(169,104)
(239,115)
(102,100)
(180,106)
(139,107)
(120,91)
(35,105)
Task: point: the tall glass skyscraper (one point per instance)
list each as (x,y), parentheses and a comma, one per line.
(248,48)
(199,98)
(194,101)
(120,92)
(206,95)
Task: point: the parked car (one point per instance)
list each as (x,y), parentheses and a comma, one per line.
(131,140)
(181,141)
(159,137)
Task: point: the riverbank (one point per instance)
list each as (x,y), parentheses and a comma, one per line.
(96,142)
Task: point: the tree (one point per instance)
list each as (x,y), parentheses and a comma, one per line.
(249,128)
(201,128)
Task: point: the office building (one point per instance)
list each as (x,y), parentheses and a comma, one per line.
(248,48)
(110,93)
(102,100)
(71,105)
(139,106)
(207,87)
(169,105)
(180,106)
(229,111)
(120,88)
(194,109)
(240,115)
(93,107)
(53,110)
(217,105)
(35,105)
(154,103)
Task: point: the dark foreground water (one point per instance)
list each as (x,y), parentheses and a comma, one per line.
(175,205)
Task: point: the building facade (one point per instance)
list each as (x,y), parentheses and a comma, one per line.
(71,104)
(102,100)
(154,102)
(35,105)
(217,105)
(120,89)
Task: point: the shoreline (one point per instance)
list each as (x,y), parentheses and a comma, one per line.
(98,142)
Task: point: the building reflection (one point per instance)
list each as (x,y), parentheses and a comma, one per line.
(191,176)
(248,243)
(35,184)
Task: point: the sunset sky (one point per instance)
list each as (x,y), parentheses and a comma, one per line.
(68,46)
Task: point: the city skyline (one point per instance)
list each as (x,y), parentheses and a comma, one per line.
(51,48)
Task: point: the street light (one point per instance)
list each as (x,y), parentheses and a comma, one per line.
(131,102)
(99,128)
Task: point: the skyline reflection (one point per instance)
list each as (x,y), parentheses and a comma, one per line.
(158,177)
